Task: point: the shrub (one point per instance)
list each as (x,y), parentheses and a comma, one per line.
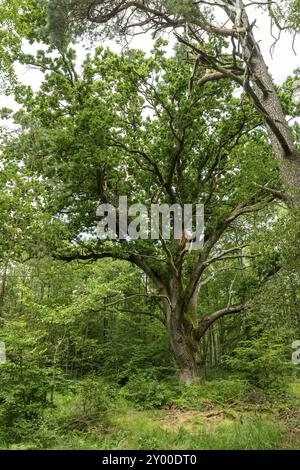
(88,404)
(228,390)
(146,392)
(199,396)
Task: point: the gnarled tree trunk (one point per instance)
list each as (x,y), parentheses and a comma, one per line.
(185,350)
(186,330)
(181,327)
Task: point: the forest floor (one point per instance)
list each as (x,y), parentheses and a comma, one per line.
(250,428)
(237,425)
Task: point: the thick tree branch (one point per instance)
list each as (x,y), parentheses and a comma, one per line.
(213,238)
(206,322)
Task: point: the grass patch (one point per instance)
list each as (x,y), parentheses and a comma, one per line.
(249,433)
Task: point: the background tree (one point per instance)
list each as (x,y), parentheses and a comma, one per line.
(192,24)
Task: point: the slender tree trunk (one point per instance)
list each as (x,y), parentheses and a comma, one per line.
(3,283)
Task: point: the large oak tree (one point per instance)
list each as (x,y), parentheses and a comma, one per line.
(136,126)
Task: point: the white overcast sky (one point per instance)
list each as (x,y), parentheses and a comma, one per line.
(281,64)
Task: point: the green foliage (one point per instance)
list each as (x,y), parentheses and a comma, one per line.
(149,393)
(82,408)
(58,11)
(25,382)
(96,396)
(65,20)
(146,392)
(214,392)
(228,390)
(293,15)
(262,361)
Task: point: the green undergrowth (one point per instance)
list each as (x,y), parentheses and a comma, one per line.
(221,414)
